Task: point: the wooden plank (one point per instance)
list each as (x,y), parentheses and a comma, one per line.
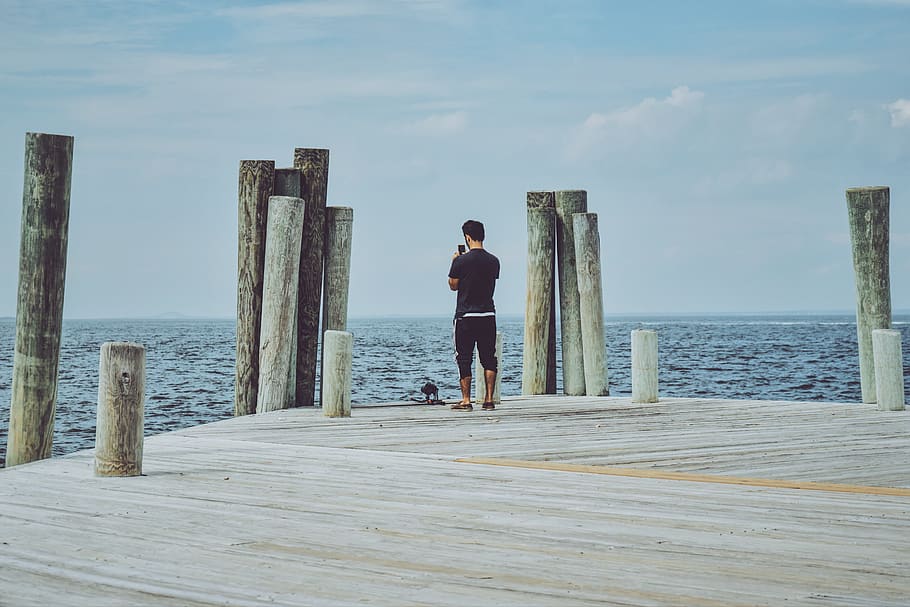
(291,508)
(681,476)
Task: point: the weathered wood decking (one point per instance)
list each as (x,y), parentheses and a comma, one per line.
(291,508)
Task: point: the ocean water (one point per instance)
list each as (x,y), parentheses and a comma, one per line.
(190,363)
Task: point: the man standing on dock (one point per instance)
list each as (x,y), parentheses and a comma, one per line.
(473,274)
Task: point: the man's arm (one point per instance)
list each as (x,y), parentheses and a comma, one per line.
(453,282)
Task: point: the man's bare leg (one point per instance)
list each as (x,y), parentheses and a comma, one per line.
(465,390)
(489,378)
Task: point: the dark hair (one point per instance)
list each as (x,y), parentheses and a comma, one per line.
(474,229)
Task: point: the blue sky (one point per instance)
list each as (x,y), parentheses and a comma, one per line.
(715,140)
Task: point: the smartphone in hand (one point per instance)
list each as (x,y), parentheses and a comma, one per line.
(461,249)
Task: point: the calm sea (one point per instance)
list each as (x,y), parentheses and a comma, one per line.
(190,363)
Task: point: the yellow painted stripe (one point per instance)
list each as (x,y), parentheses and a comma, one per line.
(684,476)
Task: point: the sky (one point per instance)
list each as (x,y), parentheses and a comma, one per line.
(715,140)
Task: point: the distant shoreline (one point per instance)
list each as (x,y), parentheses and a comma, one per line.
(510,316)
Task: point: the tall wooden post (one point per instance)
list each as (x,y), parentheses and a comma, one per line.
(551,335)
(279,300)
(39,307)
(121,410)
(289,182)
(255,187)
(480,383)
(339,228)
(644,366)
(587,258)
(868,210)
(339,231)
(569,202)
(889,369)
(314,163)
(336,378)
(539,298)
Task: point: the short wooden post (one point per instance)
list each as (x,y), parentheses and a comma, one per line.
(569,202)
(279,300)
(121,410)
(39,308)
(339,229)
(480,383)
(289,182)
(256,182)
(889,369)
(587,258)
(644,366)
(868,210)
(314,164)
(336,373)
(539,299)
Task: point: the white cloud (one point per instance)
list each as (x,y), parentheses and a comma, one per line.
(900,112)
(340,9)
(783,122)
(650,117)
(441,124)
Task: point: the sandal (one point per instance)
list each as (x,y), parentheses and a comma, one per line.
(462,407)
(488,406)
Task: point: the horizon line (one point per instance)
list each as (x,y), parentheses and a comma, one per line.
(510,315)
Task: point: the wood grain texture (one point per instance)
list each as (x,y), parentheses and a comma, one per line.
(292,508)
(540,294)
(279,301)
(569,202)
(339,231)
(587,256)
(644,366)
(39,306)
(314,163)
(889,369)
(289,182)
(336,376)
(121,410)
(254,189)
(690,478)
(868,214)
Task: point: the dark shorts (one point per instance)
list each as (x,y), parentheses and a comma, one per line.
(471,330)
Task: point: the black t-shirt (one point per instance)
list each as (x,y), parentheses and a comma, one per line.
(476,272)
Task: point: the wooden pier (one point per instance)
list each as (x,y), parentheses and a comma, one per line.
(547,500)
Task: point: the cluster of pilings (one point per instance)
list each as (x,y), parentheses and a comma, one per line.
(294,255)
(563,236)
(880,357)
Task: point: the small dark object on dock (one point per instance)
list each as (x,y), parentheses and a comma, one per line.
(432,393)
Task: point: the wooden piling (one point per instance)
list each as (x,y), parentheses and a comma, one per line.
(551,336)
(289,182)
(587,257)
(868,212)
(889,369)
(569,202)
(339,226)
(255,188)
(282,264)
(480,383)
(39,306)
(541,208)
(314,163)
(644,366)
(336,373)
(121,410)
